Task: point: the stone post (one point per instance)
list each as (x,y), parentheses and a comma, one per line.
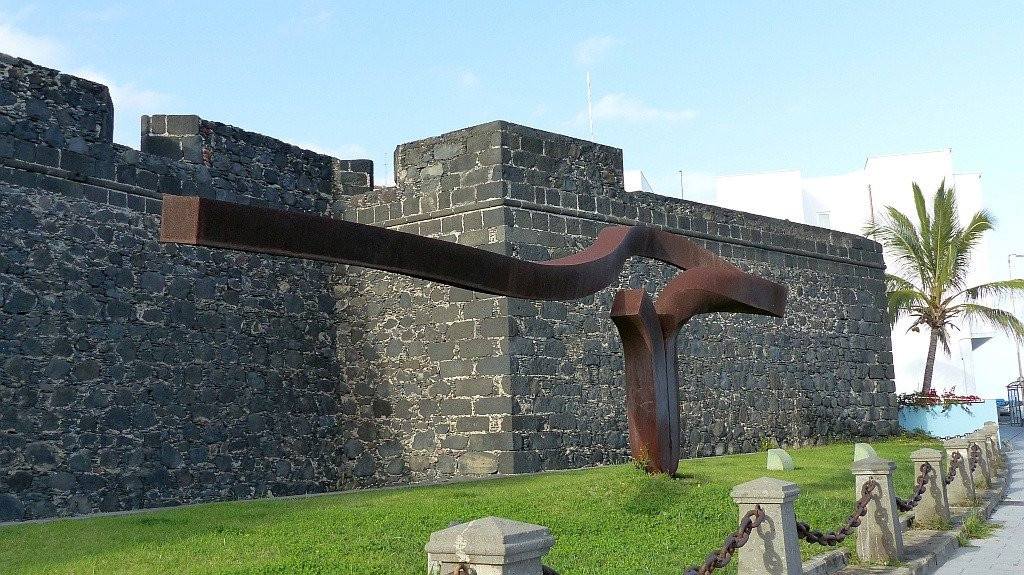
(990,451)
(982,475)
(880,536)
(933,509)
(991,430)
(489,546)
(773,548)
(961,491)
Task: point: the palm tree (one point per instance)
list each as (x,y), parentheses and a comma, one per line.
(932,258)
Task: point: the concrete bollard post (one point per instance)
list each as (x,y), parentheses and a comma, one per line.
(880,536)
(992,432)
(982,475)
(985,441)
(489,546)
(933,509)
(773,548)
(961,491)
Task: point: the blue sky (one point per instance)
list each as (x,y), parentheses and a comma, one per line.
(709,88)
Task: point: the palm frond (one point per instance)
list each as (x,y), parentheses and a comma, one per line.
(997,318)
(965,243)
(923,218)
(998,289)
(903,242)
(900,303)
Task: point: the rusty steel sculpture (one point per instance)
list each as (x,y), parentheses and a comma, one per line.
(648,329)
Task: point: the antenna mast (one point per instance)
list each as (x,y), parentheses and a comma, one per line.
(590,108)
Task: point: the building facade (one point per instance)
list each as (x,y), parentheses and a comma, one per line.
(847,203)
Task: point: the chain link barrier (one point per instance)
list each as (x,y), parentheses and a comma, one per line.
(721,558)
(922,486)
(754,517)
(804,531)
(975,454)
(954,464)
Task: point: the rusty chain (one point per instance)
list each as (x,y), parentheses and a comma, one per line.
(975,454)
(721,558)
(954,463)
(922,486)
(803,530)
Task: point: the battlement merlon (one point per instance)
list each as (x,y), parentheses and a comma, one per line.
(62,121)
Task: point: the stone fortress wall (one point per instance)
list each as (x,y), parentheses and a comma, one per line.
(136,374)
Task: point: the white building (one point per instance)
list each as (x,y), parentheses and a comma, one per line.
(846,203)
(634,181)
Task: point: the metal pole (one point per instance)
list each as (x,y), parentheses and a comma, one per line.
(680,184)
(1013,302)
(590,108)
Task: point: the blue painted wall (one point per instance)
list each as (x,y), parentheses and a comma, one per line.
(957,420)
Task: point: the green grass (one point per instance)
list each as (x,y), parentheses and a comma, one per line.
(605,520)
(974,527)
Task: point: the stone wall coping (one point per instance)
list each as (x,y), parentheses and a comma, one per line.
(765,490)
(870,465)
(618,220)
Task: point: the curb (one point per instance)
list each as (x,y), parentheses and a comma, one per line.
(926,550)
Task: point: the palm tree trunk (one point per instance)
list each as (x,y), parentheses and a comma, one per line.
(929,364)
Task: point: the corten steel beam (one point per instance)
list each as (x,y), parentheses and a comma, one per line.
(648,329)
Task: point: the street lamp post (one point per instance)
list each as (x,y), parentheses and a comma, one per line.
(1013,302)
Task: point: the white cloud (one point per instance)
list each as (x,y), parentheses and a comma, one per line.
(342,152)
(310,15)
(594,49)
(127,96)
(107,14)
(469,80)
(130,101)
(622,107)
(40,49)
(130,104)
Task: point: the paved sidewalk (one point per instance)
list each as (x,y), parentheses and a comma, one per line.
(1003,552)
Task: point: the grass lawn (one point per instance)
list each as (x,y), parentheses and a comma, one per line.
(604,520)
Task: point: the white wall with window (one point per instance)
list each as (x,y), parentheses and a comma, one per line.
(981,361)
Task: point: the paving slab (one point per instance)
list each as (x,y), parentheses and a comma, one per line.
(1001,553)
(939,552)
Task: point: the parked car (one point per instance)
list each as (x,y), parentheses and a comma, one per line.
(1002,407)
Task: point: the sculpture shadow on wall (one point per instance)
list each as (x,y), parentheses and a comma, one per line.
(648,328)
